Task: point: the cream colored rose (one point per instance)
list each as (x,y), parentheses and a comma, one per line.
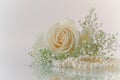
(63,37)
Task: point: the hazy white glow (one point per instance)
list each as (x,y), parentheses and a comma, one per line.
(21,20)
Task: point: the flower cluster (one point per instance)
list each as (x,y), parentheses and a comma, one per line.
(64,40)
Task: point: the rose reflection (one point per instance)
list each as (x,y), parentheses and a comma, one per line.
(47,72)
(59,76)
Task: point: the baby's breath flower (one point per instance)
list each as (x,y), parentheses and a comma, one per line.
(95,41)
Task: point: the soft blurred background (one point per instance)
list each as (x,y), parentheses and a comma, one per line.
(22,20)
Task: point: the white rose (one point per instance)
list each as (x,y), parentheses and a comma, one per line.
(40,42)
(63,37)
(86,35)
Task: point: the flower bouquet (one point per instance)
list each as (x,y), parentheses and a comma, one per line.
(85,48)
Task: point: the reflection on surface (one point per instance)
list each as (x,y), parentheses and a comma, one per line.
(59,76)
(48,72)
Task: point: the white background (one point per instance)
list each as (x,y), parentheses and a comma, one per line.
(21,20)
